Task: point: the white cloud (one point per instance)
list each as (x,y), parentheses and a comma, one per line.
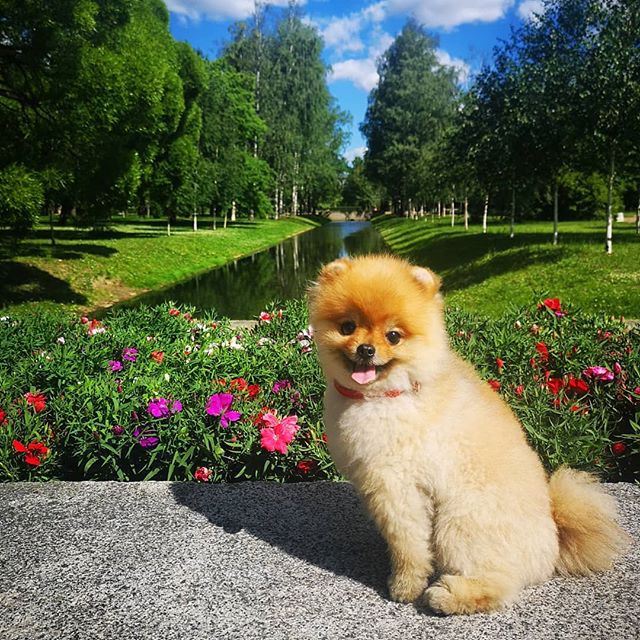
(444,14)
(461,67)
(218,9)
(361,71)
(343,34)
(355,152)
(528,8)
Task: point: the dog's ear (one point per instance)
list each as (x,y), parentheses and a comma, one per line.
(330,271)
(429,282)
(327,274)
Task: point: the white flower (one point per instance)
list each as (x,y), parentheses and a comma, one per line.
(60,340)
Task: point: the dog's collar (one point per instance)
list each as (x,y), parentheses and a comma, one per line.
(352,394)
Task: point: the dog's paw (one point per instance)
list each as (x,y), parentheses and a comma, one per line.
(405,588)
(439,599)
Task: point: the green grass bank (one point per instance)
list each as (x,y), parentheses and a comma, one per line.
(86,270)
(487,273)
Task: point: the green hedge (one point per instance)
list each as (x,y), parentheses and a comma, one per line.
(128,398)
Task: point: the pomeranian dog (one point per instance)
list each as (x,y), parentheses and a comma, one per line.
(439,459)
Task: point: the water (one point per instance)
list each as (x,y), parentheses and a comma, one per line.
(243,288)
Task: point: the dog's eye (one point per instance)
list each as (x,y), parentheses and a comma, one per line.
(393,337)
(347,328)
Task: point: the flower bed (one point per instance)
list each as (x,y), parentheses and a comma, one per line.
(155,393)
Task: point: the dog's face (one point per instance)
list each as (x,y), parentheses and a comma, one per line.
(377,321)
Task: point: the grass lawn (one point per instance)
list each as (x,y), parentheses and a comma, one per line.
(487,273)
(86,270)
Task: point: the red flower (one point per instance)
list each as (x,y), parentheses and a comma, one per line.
(576,385)
(202,474)
(187,316)
(3,417)
(555,385)
(519,390)
(258,419)
(543,350)
(33,452)
(174,312)
(37,400)
(253,390)
(239,384)
(618,448)
(158,356)
(84,320)
(500,364)
(494,384)
(306,466)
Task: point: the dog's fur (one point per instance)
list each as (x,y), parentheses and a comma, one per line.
(444,467)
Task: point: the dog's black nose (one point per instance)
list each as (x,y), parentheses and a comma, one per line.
(366,350)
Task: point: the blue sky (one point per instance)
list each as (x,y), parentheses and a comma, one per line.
(356,33)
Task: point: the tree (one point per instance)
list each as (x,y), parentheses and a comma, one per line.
(304,128)
(413,104)
(358,191)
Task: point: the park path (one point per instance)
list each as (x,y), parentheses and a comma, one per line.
(163,560)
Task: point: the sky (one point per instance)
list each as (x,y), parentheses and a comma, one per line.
(357,33)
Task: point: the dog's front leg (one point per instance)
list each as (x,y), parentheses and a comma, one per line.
(403,515)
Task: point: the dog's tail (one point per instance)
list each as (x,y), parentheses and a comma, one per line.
(585,515)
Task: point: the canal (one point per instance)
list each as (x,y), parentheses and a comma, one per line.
(241,289)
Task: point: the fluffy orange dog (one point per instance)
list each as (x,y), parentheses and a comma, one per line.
(439,459)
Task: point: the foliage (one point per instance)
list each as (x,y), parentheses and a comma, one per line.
(304,134)
(411,107)
(137,396)
(21,198)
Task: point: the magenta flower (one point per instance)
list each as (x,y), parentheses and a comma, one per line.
(115,365)
(117,430)
(129,354)
(159,407)
(280,385)
(601,374)
(219,404)
(147,440)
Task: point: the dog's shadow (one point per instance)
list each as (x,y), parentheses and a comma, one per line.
(321,523)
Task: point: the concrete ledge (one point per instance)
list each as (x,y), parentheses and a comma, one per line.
(248,561)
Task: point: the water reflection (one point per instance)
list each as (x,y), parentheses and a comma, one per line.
(241,289)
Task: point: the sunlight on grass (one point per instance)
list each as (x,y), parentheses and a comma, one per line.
(488,273)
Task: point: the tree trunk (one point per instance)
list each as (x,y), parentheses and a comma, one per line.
(439,209)
(195,221)
(453,212)
(609,241)
(50,208)
(638,214)
(555,212)
(485,213)
(224,222)
(513,212)
(168,227)
(466,211)
(233,211)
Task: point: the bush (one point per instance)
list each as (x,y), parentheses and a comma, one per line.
(152,393)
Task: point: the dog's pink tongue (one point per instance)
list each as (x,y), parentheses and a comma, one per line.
(364,374)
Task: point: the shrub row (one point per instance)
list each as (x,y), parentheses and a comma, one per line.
(156,393)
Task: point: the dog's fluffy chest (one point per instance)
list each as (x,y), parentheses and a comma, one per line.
(378,432)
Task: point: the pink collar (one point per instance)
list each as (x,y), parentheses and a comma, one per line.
(352,394)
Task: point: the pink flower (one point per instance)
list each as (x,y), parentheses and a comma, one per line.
(219,404)
(601,374)
(278,433)
(115,365)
